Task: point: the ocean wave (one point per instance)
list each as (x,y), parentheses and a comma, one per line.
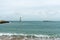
(22,34)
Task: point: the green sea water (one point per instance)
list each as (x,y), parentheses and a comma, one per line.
(31,27)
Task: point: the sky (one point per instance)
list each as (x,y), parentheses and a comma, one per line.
(30,10)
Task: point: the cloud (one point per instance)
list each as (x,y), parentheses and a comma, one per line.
(30,9)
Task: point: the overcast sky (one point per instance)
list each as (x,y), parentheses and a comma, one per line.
(31,10)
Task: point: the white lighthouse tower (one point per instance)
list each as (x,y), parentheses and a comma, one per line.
(20,18)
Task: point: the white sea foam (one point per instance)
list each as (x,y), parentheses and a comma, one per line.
(10,36)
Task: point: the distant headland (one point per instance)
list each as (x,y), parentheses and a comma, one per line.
(47,21)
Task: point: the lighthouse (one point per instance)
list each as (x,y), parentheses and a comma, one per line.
(20,18)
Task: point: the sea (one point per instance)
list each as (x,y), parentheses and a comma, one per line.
(36,28)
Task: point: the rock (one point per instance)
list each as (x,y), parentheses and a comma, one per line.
(2,21)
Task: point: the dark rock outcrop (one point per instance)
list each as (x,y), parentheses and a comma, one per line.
(2,21)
